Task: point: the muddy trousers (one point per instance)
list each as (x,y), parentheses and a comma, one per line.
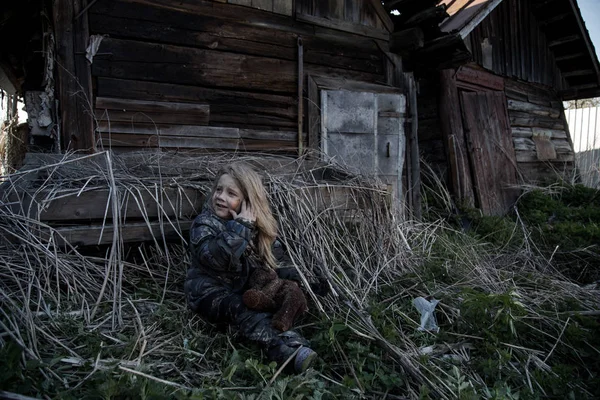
(218,304)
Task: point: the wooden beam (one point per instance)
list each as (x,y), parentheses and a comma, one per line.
(94,204)
(429,16)
(63,16)
(383,15)
(454,138)
(406,41)
(554,19)
(362,30)
(480,16)
(564,40)
(114,103)
(586,37)
(581,72)
(131,232)
(567,57)
(84,113)
(531,108)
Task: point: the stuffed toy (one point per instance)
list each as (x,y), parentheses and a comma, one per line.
(269,293)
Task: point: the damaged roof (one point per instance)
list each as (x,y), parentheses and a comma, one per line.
(567,35)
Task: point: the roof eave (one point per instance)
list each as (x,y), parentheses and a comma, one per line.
(477,18)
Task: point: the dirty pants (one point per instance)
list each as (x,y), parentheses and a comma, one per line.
(218,304)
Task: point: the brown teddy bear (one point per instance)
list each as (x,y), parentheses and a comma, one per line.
(269,293)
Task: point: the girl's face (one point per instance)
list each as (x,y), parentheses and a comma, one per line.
(227,196)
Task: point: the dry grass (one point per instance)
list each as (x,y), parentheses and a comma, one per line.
(122,310)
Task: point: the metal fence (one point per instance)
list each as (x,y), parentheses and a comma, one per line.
(584,125)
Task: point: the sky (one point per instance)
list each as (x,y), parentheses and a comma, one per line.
(590,10)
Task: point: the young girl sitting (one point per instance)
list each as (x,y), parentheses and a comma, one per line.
(234,233)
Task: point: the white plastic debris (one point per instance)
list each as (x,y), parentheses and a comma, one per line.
(94,45)
(426,308)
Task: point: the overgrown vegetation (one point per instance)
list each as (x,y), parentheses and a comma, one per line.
(116,327)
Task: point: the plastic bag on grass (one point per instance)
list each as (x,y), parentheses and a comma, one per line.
(426,308)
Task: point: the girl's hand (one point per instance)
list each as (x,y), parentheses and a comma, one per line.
(246,213)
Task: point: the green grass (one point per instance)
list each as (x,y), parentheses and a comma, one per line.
(511,325)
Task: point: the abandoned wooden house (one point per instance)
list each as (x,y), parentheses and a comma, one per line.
(497,120)
(473,87)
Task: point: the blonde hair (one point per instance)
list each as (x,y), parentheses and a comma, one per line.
(255,194)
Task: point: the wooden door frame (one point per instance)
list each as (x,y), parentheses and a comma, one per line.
(466,78)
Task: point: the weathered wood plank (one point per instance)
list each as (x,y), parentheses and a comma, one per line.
(384,17)
(95,204)
(211,32)
(135,117)
(480,78)
(533,109)
(174,64)
(241,144)
(314,114)
(276,104)
(518,118)
(352,11)
(531,156)
(266,5)
(544,148)
(454,137)
(552,133)
(167,130)
(227,106)
(197,131)
(63,17)
(241,2)
(408,40)
(84,136)
(491,151)
(363,30)
(283,7)
(128,233)
(335,9)
(113,103)
(525,132)
(544,172)
(521,132)
(524,144)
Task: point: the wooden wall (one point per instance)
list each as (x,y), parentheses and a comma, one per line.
(213,75)
(431,143)
(284,7)
(510,43)
(543,147)
(346,13)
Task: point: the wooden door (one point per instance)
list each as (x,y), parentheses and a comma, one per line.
(491,152)
(365,131)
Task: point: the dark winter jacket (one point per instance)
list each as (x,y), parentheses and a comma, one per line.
(222,249)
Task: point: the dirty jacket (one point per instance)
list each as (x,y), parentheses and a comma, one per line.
(222,249)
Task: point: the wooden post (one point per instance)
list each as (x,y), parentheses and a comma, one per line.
(300,97)
(454,138)
(415,165)
(85,104)
(74,76)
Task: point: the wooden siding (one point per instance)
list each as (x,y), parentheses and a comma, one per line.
(543,146)
(284,7)
(510,43)
(237,65)
(353,12)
